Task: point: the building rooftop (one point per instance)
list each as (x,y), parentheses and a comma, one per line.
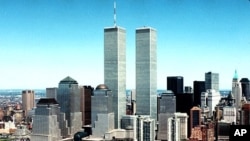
(114,27)
(68,80)
(235,75)
(168,92)
(102,87)
(244,80)
(145,27)
(46,101)
(196,108)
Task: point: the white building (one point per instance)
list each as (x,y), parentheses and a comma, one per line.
(178,127)
(210,99)
(145,128)
(229,114)
(8,126)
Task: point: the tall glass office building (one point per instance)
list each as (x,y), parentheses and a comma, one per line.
(146,72)
(68,97)
(212,81)
(115,68)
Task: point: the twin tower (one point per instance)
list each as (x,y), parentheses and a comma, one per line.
(146,70)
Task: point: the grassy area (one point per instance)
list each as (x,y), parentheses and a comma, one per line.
(7,139)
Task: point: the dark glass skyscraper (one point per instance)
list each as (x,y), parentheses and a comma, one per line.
(199,87)
(175,84)
(86,93)
(212,81)
(245,86)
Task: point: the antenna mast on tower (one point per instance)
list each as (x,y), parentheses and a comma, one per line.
(114,13)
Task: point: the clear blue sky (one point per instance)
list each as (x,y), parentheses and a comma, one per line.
(43,41)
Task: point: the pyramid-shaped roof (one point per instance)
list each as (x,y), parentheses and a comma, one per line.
(68,80)
(235,75)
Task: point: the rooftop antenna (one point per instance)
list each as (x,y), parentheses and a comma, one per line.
(114,13)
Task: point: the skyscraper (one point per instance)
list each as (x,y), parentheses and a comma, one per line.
(146,72)
(199,87)
(212,81)
(229,111)
(145,128)
(178,127)
(236,91)
(245,114)
(245,85)
(175,83)
(51,92)
(68,97)
(195,117)
(210,99)
(115,68)
(86,93)
(166,102)
(102,114)
(28,100)
(166,107)
(129,122)
(45,121)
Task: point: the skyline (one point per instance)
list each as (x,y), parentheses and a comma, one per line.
(42,42)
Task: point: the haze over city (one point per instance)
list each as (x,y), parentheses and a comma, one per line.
(42,41)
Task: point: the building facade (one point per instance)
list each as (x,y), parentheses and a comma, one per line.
(203,132)
(145,128)
(195,117)
(229,111)
(236,91)
(68,97)
(212,81)
(199,87)
(28,101)
(245,85)
(210,99)
(175,84)
(102,114)
(51,92)
(129,122)
(178,127)
(166,107)
(245,114)
(115,68)
(46,121)
(86,93)
(146,72)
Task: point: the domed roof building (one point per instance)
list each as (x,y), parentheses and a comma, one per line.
(102,113)
(102,87)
